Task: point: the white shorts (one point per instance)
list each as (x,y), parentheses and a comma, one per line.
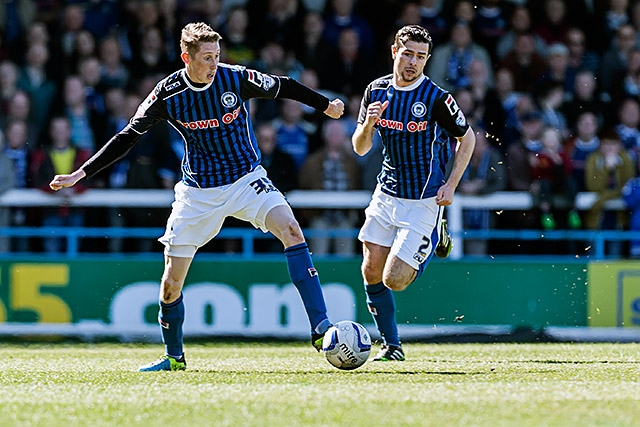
(406,226)
(197,214)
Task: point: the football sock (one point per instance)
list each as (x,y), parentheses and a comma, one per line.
(382,307)
(305,278)
(171,318)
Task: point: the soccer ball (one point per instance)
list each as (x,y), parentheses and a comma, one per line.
(347,345)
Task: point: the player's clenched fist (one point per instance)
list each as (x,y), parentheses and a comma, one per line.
(374,112)
(335,109)
(61,181)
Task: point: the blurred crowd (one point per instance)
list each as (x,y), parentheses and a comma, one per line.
(551,87)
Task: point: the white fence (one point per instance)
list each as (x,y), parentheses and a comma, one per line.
(504,200)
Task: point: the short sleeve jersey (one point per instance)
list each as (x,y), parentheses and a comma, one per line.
(415,130)
(214,121)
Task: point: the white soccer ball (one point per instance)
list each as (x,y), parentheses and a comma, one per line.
(347,345)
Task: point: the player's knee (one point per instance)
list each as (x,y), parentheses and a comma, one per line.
(396,283)
(291,233)
(370,273)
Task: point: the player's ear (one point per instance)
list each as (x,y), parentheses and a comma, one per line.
(394,50)
(185,57)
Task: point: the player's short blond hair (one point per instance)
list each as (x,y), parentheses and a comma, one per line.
(194,34)
(414,33)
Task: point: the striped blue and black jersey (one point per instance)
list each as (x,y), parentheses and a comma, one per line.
(214,121)
(415,130)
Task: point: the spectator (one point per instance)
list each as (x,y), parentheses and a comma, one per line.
(342,15)
(370,162)
(520,158)
(558,71)
(581,145)
(524,63)
(239,47)
(7,182)
(487,104)
(629,80)
(520,24)
(490,25)
(59,157)
(86,125)
(504,103)
(553,189)
(310,49)
(614,60)
(347,69)
(607,170)
(627,128)
(332,168)
(584,98)
(484,175)
(153,57)
(40,89)
(89,72)
(9,74)
(550,100)
(293,132)
(113,71)
(450,62)
(19,151)
(279,165)
(613,19)
(433,20)
(581,58)
(20,111)
(554,26)
(15,18)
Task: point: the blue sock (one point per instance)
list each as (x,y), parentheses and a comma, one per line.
(382,307)
(171,318)
(305,278)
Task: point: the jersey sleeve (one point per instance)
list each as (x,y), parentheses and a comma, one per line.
(151,111)
(364,104)
(449,116)
(255,84)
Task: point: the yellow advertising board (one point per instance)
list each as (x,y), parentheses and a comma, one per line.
(613,294)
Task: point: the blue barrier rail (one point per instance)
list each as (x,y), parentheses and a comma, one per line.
(73,235)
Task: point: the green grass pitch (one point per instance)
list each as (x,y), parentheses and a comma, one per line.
(289,384)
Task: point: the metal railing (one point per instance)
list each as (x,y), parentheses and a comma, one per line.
(298,199)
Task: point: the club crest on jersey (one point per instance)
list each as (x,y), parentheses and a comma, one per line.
(418,109)
(229,99)
(451,104)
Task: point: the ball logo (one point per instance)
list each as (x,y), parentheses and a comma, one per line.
(418,109)
(229,99)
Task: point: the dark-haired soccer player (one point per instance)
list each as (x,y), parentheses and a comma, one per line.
(415,119)
(221,174)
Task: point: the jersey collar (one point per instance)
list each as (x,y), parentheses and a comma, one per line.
(412,86)
(192,85)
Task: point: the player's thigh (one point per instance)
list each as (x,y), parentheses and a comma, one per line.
(416,239)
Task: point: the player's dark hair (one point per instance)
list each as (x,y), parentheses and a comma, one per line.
(195,33)
(414,33)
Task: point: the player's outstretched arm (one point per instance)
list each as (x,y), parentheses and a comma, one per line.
(69,180)
(335,109)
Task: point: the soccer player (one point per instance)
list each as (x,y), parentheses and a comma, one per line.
(221,174)
(416,120)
